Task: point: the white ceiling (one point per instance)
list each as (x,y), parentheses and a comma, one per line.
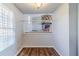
(27,8)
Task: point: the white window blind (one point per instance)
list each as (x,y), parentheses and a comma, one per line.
(7,29)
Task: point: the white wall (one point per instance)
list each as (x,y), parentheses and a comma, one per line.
(12,50)
(61,29)
(33,39)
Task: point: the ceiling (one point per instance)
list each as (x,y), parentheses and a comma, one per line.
(27,8)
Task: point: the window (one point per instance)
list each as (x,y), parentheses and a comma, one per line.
(7,30)
(38,23)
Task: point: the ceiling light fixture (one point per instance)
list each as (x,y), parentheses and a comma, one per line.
(37,5)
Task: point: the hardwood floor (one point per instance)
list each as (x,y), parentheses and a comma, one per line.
(38,52)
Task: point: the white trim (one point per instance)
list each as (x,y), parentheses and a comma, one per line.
(38,46)
(58,51)
(19,51)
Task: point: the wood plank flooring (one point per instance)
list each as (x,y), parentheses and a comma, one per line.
(38,52)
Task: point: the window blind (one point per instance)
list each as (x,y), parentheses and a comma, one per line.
(7,28)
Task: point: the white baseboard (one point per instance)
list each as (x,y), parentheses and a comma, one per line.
(39,46)
(19,51)
(58,51)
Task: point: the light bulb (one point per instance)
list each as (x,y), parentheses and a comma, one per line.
(37,5)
